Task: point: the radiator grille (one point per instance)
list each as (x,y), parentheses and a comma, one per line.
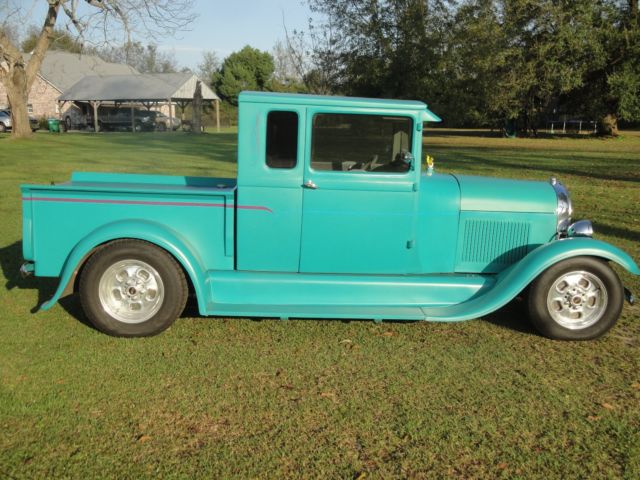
(494,242)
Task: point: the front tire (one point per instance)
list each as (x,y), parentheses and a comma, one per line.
(131,288)
(577,299)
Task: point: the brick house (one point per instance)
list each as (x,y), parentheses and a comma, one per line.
(60,71)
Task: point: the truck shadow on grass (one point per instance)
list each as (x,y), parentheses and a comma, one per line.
(10,262)
(512,316)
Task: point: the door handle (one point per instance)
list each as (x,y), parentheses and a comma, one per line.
(310,185)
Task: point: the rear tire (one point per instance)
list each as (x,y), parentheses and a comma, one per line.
(577,299)
(131,288)
(162,127)
(3,128)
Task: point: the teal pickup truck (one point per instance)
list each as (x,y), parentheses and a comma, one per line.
(331,216)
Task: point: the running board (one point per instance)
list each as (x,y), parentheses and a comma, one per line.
(286,312)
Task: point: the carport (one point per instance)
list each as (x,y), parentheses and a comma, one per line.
(149,90)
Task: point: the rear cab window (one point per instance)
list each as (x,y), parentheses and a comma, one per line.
(282,139)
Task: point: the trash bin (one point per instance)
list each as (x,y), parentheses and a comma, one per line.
(54,125)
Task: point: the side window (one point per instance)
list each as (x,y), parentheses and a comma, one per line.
(282,139)
(357,143)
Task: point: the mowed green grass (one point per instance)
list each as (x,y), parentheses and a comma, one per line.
(242,398)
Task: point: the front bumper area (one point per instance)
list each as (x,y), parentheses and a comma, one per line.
(27,269)
(629,297)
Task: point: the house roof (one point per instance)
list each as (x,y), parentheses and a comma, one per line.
(139,87)
(64,69)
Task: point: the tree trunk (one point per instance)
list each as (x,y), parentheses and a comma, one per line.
(196,124)
(18,77)
(609,125)
(17,94)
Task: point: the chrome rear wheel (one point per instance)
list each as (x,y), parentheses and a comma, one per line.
(131,291)
(132,288)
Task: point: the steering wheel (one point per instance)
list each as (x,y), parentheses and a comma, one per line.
(371,164)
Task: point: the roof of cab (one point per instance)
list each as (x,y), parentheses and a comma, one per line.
(325,100)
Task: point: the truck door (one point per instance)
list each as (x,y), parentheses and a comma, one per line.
(269,202)
(359,198)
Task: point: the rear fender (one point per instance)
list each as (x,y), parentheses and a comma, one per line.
(152,232)
(513,280)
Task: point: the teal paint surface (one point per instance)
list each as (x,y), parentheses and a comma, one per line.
(264,288)
(513,280)
(268,242)
(488,194)
(359,222)
(362,245)
(489,242)
(155,233)
(437,224)
(63,215)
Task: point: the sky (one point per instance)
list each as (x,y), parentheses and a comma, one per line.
(222,26)
(227,26)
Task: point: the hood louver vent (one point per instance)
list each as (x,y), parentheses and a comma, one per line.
(492,245)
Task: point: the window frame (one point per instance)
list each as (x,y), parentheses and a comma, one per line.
(314,114)
(266,139)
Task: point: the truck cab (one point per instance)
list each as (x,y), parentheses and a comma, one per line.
(340,177)
(332,216)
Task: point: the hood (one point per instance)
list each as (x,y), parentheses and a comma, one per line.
(490,194)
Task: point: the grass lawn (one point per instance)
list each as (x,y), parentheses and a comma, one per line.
(240,398)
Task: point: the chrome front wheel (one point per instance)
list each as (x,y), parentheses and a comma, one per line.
(576,299)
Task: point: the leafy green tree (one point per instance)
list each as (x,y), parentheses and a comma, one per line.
(385,48)
(480,62)
(549,48)
(247,69)
(611,91)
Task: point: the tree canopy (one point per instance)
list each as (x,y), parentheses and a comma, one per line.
(486,61)
(246,69)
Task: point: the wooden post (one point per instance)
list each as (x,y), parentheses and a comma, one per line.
(196,119)
(170,116)
(133,120)
(95,106)
(217,104)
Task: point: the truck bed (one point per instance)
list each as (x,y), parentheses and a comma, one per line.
(58,217)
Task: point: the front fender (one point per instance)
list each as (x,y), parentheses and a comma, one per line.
(152,232)
(513,280)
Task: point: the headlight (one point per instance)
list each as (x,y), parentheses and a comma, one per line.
(564,210)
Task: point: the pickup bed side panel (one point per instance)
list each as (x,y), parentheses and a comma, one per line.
(155,233)
(63,217)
